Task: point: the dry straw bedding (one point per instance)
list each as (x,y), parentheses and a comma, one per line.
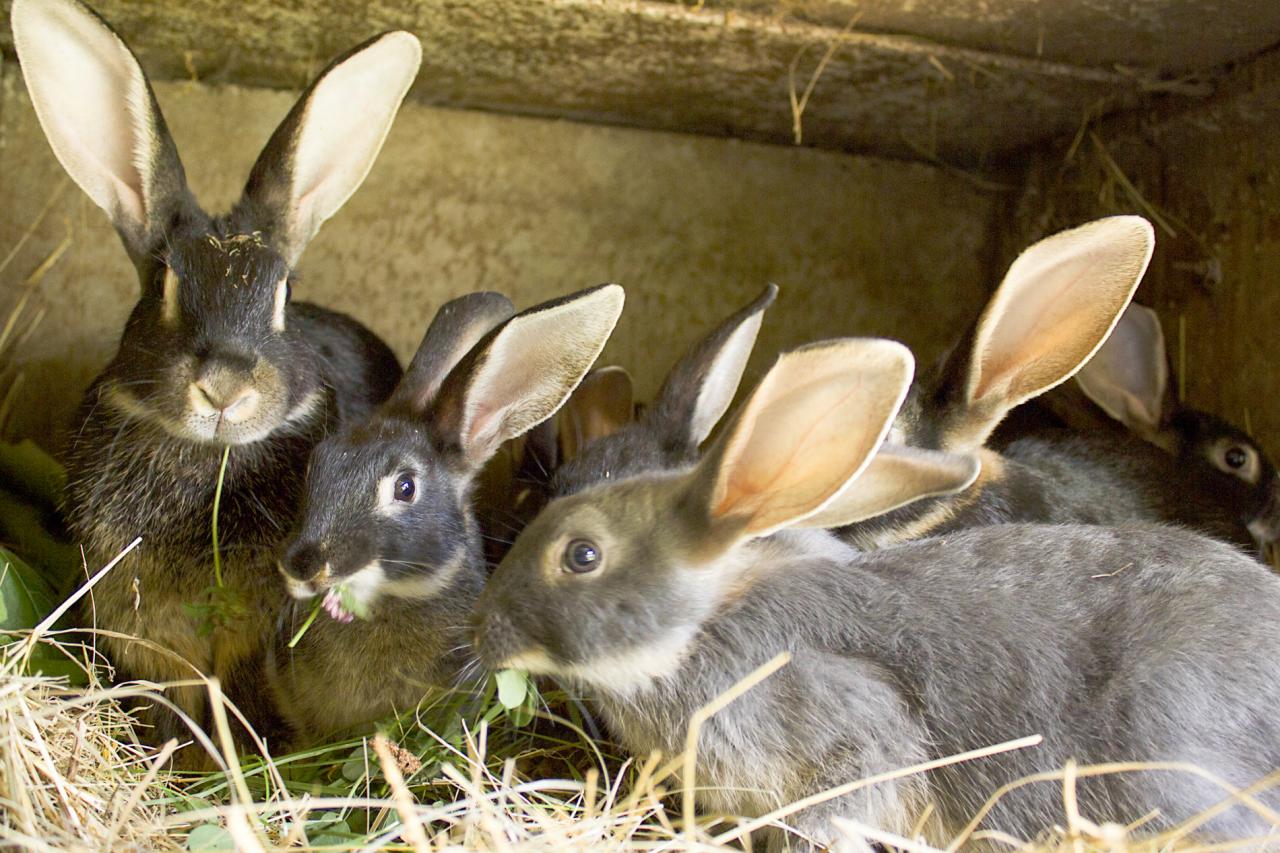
(455,774)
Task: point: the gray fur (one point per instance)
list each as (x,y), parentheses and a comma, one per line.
(1137,643)
(427,550)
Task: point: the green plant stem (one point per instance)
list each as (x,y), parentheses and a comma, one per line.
(217,503)
(315,610)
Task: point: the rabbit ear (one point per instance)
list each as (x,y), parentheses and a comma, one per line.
(810,427)
(700,388)
(523,371)
(602,404)
(1129,376)
(457,327)
(324,148)
(101,118)
(895,477)
(1055,307)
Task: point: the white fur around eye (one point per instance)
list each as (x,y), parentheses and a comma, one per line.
(170,297)
(278,305)
(1249,471)
(387,503)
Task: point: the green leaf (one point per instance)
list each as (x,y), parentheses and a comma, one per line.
(351,604)
(26,468)
(210,836)
(353,769)
(33,533)
(513,686)
(25,597)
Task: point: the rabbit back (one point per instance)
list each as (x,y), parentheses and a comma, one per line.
(1121,644)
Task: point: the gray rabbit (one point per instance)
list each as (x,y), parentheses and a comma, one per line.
(659,592)
(1055,309)
(388,526)
(215,355)
(1122,404)
(600,436)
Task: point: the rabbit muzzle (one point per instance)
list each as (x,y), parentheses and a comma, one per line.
(1265,526)
(306,571)
(496,639)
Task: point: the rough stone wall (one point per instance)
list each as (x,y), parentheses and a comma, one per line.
(1211,175)
(693,227)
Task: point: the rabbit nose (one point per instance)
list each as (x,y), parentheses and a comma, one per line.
(306,562)
(495,638)
(216,393)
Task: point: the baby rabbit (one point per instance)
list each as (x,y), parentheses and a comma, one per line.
(215,355)
(657,593)
(1054,309)
(1129,380)
(600,439)
(387,523)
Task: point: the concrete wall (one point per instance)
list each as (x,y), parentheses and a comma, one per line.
(1211,175)
(692,227)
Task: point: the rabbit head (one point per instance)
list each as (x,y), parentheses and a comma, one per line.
(213,351)
(609,585)
(1129,380)
(387,508)
(600,439)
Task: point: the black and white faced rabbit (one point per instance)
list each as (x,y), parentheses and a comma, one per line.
(215,355)
(659,592)
(1056,306)
(387,523)
(599,438)
(1129,380)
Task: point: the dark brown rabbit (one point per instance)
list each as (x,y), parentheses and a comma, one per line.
(215,357)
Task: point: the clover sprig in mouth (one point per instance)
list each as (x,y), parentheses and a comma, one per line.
(343,605)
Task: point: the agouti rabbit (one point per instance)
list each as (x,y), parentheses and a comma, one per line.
(215,355)
(387,523)
(600,439)
(1056,306)
(657,593)
(1128,380)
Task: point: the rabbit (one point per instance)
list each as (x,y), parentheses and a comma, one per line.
(1127,383)
(657,593)
(600,438)
(1055,308)
(216,356)
(602,432)
(387,514)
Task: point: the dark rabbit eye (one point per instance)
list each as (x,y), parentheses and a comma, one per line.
(404,488)
(1235,457)
(581,556)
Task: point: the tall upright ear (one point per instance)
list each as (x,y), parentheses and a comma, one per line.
(809,428)
(324,148)
(523,371)
(600,406)
(1055,307)
(1129,376)
(101,118)
(895,477)
(702,385)
(457,327)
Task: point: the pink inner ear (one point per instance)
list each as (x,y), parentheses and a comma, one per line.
(808,429)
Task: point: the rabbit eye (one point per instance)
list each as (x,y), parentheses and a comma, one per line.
(404,488)
(581,556)
(1235,457)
